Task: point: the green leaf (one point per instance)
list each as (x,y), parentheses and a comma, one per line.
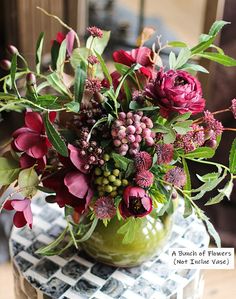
(217,26)
(202,45)
(194,67)
(80,77)
(232,158)
(177,44)
(182,58)
(187,207)
(133,105)
(169,137)
(98,44)
(100,121)
(213,232)
(56,83)
(61,57)
(54,54)
(219,58)
(48,250)
(104,68)
(45,190)
(79,55)
(27,181)
(73,107)
(172,60)
(201,152)
(225,192)
(13,74)
(89,232)
(187,186)
(55,137)
(9,170)
(39,49)
(122,162)
(208,177)
(183,127)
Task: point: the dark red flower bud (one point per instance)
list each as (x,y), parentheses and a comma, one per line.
(5,64)
(211,143)
(12,50)
(31,79)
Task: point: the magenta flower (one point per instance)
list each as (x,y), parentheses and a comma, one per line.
(77,159)
(143,161)
(135,203)
(142,56)
(176,176)
(26,162)
(104,208)
(31,139)
(23,213)
(60,37)
(95,31)
(176,91)
(144,178)
(165,153)
(233,107)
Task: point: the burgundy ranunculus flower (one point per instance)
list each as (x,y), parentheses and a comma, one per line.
(142,55)
(135,202)
(31,139)
(176,91)
(23,213)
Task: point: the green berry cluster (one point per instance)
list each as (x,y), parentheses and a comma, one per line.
(109,182)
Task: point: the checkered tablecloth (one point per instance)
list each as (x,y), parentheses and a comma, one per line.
(73,275)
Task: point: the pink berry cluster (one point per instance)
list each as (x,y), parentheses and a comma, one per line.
(129,130)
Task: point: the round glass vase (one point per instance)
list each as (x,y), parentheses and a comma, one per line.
(105,244)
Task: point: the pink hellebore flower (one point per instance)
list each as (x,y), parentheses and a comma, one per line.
(31,139)
(135,203)
(23,213)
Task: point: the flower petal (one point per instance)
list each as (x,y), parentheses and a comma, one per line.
(38,150)
(76,158)
(7,205)
(33,120)
(70,38)
(19,219)
(28,215)
(77,183)
(20,205)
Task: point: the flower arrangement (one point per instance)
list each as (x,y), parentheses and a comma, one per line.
(124,148)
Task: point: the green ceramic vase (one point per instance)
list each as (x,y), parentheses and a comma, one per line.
(105,244)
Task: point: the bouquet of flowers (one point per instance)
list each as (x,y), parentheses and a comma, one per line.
(107,143)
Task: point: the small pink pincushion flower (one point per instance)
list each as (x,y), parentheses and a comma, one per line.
(92,59)
(143,161)
(165,153)
(135,203)
(23,213)
(104,208)
(31,139)
(176,176)
(95,31)
(233,107)
(176,91)
(144,178)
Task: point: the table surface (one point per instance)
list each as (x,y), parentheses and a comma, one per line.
(75,275)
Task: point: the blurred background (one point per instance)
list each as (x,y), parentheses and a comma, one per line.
(21,23)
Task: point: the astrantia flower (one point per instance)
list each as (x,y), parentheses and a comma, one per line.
(104,208)
(233,107)
(135,203)
(144,178)
(212,124)
(95,31)
(142,56)
(92,59)
(165,153)
(93,85)
(23,213)
(176,176)
(31,139)
(191,140)
(176,91)
(143,161)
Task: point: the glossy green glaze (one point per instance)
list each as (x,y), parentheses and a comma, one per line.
(105,244)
